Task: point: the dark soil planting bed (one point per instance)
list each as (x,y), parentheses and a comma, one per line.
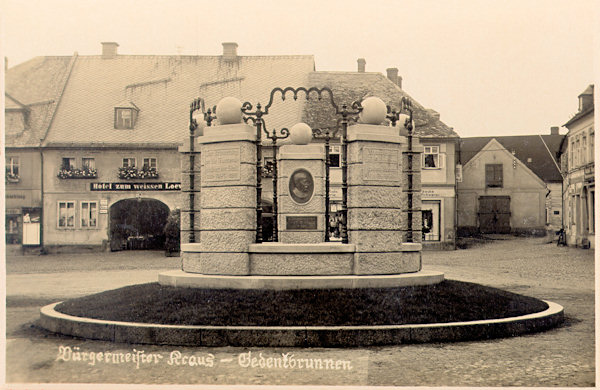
(448,301)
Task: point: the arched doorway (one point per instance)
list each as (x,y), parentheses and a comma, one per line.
(138,224)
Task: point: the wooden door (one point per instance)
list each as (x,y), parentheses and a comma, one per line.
(494,214)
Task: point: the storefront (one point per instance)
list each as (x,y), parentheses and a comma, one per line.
(437,207)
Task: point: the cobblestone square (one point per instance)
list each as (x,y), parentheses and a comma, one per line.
(561,357)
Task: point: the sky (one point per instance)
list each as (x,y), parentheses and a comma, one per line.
(488,67)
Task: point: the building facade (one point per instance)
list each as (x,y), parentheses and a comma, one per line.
(578,168)
(108,162)
(510,185)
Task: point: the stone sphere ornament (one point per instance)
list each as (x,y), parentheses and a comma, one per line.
(229,111)
(373,112)
(300,134)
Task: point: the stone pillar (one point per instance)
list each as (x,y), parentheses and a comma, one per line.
(377,203)
(301,194)
(228,209)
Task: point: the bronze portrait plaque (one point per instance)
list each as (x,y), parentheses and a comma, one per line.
(301,186)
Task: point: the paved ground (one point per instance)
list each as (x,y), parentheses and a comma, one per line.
(560,357)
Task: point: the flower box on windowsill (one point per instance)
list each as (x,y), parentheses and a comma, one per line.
(77,174)
(10,178)
(134,173)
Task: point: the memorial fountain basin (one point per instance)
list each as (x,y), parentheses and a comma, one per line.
(308,259)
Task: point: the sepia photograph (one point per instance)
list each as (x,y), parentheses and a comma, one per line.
(306,194)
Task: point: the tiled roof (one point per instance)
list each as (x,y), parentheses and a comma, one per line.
(525,147)
(162,87)
(36,84)
(355,86)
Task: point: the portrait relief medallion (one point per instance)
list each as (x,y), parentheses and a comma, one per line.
(302,186)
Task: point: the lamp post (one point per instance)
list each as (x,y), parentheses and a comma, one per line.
(394,117)
(326,133)
(285,133)
(196,105)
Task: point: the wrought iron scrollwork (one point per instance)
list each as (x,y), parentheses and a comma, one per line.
(346,115)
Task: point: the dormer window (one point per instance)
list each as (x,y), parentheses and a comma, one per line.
(126,116)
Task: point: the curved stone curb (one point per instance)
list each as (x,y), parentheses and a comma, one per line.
(178,278)
(296,336)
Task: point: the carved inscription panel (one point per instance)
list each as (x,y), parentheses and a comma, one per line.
(381,164)
(221,164)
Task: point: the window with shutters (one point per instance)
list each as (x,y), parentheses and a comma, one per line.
(432,158)
(493,175)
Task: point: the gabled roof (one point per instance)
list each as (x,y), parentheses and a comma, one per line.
(162,87)
(355,86)
(494,146)
(35,86)
(526,148)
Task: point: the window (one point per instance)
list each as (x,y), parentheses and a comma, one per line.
(493,175)
(149,163)
(268,167)
(88,164)
(68,163)
(124,118)
(334,156)
(12,168)
(591,148)
(129,162)
(431,157)
(66,214)
(89,213)
(584,151)
(572,155)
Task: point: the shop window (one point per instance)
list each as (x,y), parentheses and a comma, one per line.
(334,156)
(432,157)
(493,175)
(89,214)
(13,229)
(431,220)
(66,214)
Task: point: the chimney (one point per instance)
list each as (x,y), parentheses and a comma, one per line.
(229,51)
(554,130)
(362,64)
(392,74)
(109,49)
(399,82)
(433,113)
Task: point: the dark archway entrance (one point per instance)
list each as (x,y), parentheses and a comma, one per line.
(138,224)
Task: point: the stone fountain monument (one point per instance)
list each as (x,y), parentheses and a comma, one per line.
(379,245)
(376,254)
